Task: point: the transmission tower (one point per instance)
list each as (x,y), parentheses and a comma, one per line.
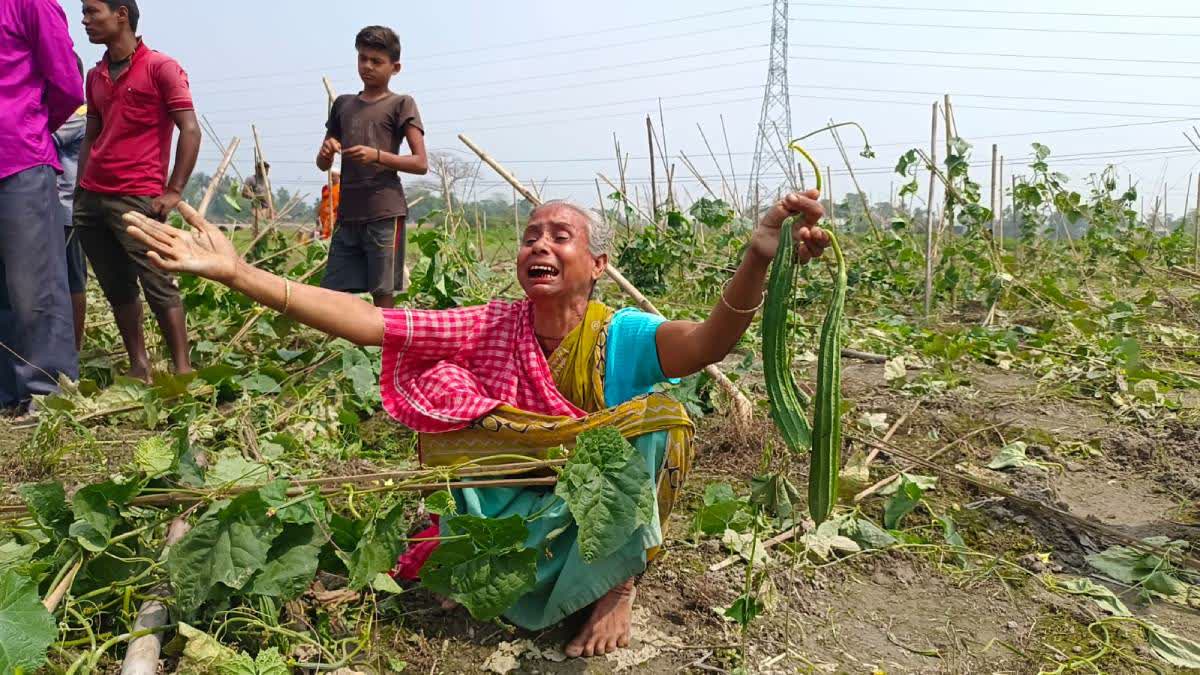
(775,124)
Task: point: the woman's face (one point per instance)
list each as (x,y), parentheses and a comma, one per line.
(553,260)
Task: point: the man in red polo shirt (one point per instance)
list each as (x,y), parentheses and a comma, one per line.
(136,98)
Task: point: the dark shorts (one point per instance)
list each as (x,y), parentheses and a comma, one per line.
(367,258)
(76,263)
(118,260)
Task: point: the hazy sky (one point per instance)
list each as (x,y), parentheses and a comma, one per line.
(544,85)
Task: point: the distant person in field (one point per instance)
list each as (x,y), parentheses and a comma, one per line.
(136,99)
(40,87)
(366,253)
(255,190)
(68,141)
(519,378)
(328,208)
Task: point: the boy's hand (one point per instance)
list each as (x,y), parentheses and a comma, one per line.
(362,154)
(330,147)
(163,204)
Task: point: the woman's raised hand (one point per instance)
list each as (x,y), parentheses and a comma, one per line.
(810,240)
(203,251)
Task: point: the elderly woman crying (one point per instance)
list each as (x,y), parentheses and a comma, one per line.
(509,376)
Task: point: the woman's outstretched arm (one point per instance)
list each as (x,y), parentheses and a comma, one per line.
(686,347)
(206,252)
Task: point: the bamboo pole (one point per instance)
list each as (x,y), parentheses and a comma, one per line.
(1196,229)
(929,216)
(1000,219)
(329,97)
(948,212)
(215,181)
(742,408)
(653,182)
(141,658)
(1187,197)
(994,185)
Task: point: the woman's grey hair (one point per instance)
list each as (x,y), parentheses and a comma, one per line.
(600,233)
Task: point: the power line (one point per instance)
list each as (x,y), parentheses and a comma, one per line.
(1040,71)
(1023,29)
(945,52)
(525,57)
(567,73)
(909,8)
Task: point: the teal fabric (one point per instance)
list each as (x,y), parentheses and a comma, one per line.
(565,583)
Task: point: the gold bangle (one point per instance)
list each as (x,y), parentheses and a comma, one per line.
(735,309)
(287,296)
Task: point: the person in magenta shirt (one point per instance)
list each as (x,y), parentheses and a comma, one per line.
(136,99)
(40,87)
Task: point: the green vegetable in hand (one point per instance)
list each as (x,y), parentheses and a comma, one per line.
(824,436)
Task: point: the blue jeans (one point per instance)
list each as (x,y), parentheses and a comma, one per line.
(36,322)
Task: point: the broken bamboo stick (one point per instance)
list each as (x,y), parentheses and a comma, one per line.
(215,181)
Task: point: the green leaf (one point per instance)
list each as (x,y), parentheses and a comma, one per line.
(609,491)
(826,539)
(441,503)
(774,494)
(743,610)
(231,469)
(488,569)
(867,534)
(47,503)
(154,456)
(14,554)
(1173,649)
(97,512)
(926,483)
(384,583)
(259,383)
(226,547)
(291,564)
(376,552)
(203,655)
(907,496)
(1102,596)
(311,509)
(1013,456)
(26,628)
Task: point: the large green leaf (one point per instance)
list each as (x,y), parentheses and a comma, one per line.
(376,552)
(203,655)
(488,569)
(293,509)
(1173,649)
(47,503)
(722,510)
(97,511)
(26,628)
(907,496)
(291,564)
(608,490)
(226,547)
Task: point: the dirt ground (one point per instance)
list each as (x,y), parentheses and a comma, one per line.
(904,610)
(900,611)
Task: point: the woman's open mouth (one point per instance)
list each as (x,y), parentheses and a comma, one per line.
(542,272)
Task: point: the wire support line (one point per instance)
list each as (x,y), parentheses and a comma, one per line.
(1006,69)
(958,10)
(1020,29)
(1010,55)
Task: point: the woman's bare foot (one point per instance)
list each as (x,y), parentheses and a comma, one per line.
(609,626)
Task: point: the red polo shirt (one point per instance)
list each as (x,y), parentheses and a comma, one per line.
(133,150)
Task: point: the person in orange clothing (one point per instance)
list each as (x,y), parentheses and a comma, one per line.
(327,211)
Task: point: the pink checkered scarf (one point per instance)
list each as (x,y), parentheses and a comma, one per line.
(443,369)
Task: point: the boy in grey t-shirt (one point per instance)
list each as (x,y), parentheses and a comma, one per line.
(68,140)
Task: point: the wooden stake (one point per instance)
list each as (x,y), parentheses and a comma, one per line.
(1166,217)
(141,657)
(1196,230)
(329,97)
(929,216)
(742,408)
(948,212)
(215,181)
(992,201)
(1000,213)
(1187,196)
(653,182)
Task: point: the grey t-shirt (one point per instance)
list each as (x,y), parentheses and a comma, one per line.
(68,140)
(370,191)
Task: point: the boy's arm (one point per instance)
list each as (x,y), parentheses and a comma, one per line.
(417,162)
(186,151)
(94,125)
(330,147)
